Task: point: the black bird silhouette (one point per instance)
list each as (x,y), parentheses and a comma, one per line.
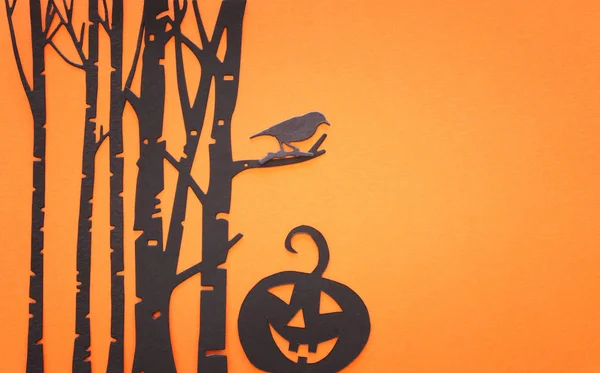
(292,130)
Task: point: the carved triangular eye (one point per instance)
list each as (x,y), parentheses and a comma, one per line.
(298,320)
(328,304)
(283,292)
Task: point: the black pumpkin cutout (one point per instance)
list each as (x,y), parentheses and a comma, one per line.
(262,310)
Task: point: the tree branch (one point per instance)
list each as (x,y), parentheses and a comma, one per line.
(218,30)
(180,10)
(105,22)
(234,240)
(133,100)
(13,38)
(181,277)
(65,58)
(199,267)
(81,36)
(50,14)
(103,137)
(200,54)
(239,166)
(191,182)
(51,36)
(201,29)
(136,57)
(184,98)
(104,25)
(69,27)
(10,8)
(68,9)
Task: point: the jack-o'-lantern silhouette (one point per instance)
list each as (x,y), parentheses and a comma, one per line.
(264,317)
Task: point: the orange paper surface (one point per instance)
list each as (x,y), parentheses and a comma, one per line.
(460,192)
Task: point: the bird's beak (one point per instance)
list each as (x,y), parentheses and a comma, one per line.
(327,123)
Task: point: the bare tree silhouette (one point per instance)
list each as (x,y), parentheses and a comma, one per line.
(36,96)
(153,349)
(113,26)
(156,260)
(156,256)
(91,144)
(81,352)
(112,23)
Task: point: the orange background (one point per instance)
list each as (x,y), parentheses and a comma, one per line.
(460,194)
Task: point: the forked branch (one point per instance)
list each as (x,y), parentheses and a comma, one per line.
(50,14)
(10,8)
(67,23)
(68,8)
(103,136)
(105,21)
(133,100)
(180,10)
(201,29)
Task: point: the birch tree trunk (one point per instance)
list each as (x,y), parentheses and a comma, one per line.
(81,351)
(153,344)
(117,104)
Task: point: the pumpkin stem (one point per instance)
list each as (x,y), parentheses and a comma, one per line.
(318,239)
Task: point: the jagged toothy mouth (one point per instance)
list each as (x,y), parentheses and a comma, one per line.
(312,354)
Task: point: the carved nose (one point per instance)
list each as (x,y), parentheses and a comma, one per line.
(298,320)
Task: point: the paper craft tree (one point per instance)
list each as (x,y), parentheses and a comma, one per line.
(156,255)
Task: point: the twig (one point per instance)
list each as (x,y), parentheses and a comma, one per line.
(50,13)
(10,8)
(51,36)
(234,240)
(13,38)
(103,137)
(239,166)
(65,58)
(69,10)
(69,26)
(81,35)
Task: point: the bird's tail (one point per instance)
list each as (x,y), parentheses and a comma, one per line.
(261,133)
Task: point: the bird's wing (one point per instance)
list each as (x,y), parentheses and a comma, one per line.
(275,130)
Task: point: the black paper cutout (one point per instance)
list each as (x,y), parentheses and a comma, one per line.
(114,25)
(36,96)
(156,257)
(261,311)
(292,130)
(81,346)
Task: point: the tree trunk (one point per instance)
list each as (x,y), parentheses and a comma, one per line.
(37,102)
(215,241)
(153,284)
(81,351)
(117,102)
